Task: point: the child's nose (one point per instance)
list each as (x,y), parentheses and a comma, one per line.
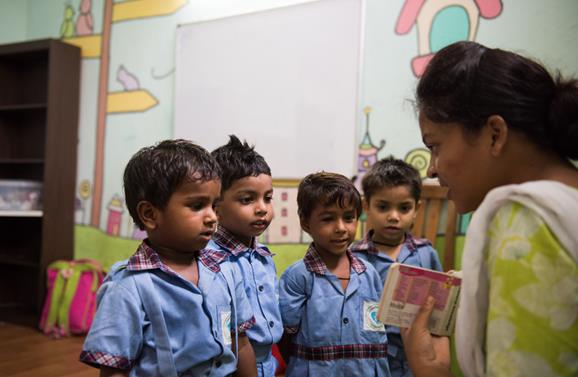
(340,226)
(261,207)
(393,216)
(211,216)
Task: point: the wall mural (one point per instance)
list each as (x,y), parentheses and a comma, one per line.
(103,224)
(442,22)
(132,98)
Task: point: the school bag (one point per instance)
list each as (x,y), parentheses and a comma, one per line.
(71,297)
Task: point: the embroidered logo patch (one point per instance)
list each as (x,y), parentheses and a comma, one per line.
(370,321)
(226,327)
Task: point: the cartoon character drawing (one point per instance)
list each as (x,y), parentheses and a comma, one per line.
(128,80)
(84,24)
(419,158)
(367,154)
(115,210)
(442,22)
(67,25)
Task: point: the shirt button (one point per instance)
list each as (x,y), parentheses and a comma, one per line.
(218,364)
(261,288)
(345,320)
(271,324)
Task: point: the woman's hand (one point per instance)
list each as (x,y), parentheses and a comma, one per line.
(428,355)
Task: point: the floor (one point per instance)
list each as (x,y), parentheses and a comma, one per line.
(25,352)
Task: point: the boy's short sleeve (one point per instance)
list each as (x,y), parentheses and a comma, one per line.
(292,297)
(435,260)
(116,335)
(245,316)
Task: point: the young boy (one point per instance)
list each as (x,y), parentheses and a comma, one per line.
(244,212)
(329,300)
(168,310)
(392,190)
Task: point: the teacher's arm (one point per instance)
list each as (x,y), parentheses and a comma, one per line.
(428,355)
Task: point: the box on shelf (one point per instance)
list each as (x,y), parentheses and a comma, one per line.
(20,195)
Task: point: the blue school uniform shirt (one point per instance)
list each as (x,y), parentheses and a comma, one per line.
(260,278)
(197,317)
(416,252)
(336,333)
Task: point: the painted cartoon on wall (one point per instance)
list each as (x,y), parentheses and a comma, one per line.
(419,158)
(121,88)
(132,98)
(442,22)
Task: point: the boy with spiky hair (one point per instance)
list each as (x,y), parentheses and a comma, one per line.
(244,211)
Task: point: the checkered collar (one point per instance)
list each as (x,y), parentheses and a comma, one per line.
(367,244)
(227,240)
(314,263)
(146,258)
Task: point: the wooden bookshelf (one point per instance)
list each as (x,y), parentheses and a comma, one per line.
(39,100)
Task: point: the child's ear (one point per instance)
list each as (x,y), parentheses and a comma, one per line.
(365,204)
(417,207)
(304,224)
(147,214)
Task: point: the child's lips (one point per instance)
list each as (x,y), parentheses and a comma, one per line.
(261,224)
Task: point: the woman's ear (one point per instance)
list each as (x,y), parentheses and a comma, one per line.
(498,130)
(147,214)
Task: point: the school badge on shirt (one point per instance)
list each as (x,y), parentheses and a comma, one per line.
(226,327)
(370,321)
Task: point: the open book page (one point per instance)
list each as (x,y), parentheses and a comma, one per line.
(406,289)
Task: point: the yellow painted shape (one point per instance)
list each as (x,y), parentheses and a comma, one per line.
(285,182)
(89,45)
(130,101)
(131,9)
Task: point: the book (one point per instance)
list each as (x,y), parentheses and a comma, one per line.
(406,290)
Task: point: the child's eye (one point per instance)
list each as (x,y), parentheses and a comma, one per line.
(245,200)
(197,206)
(349,218)
(268,198)
(405,209)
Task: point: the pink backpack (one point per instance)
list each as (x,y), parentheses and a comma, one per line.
(71,297)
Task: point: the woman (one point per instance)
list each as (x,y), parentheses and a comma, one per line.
(501,132)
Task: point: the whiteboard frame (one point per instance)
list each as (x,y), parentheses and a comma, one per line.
(347,164)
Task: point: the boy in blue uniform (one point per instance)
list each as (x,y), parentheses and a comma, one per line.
(392,190)
(168,310)
(244,212)
(329,300)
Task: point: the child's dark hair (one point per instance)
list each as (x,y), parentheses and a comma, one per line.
(326,189)
(154,173)
(466,82)
(391,172)
(238,160)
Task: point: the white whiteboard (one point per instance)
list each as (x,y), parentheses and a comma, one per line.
(285,80)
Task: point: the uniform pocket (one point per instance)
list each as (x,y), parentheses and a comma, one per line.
(224,319)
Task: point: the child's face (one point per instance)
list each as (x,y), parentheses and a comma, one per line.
(189,220)
(332,228)
(246,208)
(390,213)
